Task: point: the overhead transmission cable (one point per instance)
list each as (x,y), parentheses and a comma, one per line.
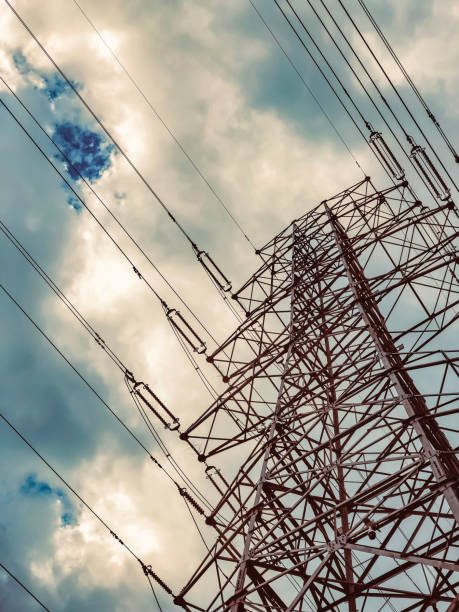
(83,321)
(83,203)
(307,87)
(373,82)
(327,80)
(200,373)
(105,347)
(346,91)
(409,80)
(24,587)
(146,568)
(99,223)
(95,392)
(216,276)
(175,328)
(203,257)
(170,312)
(162,121)
(188,499)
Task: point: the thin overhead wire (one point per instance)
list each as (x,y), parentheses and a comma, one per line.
(86,382)
(346,90)
(175,465)
(62,297)
(307,87)
(24,587)
(327,80)
(409,80)
(121,150)
(194,246)
(77,195)
(322,55)
(199,371)
(105,130)
(105,347)
(162,121)
(154,593)
(96,515)
(101,225)
(373,82)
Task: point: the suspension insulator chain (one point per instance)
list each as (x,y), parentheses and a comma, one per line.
(140,390)
(185,330)
(429,172)
(215,273)
(147,570)
(385,155)
(184,493)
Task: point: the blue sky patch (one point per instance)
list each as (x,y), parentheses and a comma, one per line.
(87,151)
(55,86)
(32,487)
(21,62)
(52,85)
(74,203)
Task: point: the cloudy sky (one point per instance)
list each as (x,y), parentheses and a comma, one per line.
(216,77)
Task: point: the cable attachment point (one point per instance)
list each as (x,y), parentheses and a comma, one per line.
(185,330)
(429,172)
(112,533)
(146,395)
(148,571)
(136,272)
(214,271)
(156,462)
(184,493)
(211,470)
(99,340)
(385,155)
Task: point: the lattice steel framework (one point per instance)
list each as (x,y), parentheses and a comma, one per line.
(338,420)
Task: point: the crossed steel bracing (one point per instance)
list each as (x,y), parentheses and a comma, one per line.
(338,420)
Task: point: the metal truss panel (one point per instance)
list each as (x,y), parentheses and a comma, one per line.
(337,427)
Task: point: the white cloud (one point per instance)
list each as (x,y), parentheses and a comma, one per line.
(191,66)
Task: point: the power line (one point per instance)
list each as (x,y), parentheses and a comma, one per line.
(346,91)
(327,80)
(24,586)
(105,347)
(62,297)
(412,159)
(86,382)
(383,98)
(96,336)
(69,82)
(167,310)
(307,87)
(212,270)
(409,80)
(170,132)
(103,228)
(77,495)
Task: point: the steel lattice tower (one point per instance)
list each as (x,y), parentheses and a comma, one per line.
(337,420)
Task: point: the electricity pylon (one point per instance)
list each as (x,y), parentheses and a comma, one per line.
(338,417)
